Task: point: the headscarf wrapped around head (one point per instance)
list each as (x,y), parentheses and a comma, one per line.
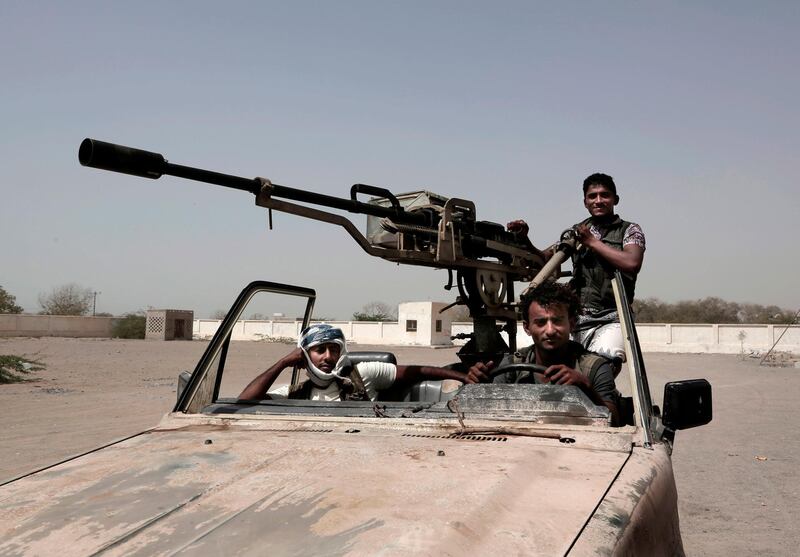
(317,334)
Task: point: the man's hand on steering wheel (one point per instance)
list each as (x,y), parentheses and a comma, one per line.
(479,373)
(564,375)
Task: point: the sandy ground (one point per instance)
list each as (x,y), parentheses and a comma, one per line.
(737,477)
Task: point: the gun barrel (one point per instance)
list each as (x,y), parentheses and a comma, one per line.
(109,156)
(137,162)
(127,160)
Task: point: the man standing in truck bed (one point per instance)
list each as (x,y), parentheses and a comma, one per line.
(608,244)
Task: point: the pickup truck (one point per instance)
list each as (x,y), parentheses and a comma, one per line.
(488,469)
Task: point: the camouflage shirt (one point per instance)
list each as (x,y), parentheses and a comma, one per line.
(598,369)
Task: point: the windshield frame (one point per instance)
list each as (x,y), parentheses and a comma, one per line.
(643,411)
(203,386)
(202,390)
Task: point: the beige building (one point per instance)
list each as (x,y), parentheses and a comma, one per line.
(169,324)
(421,324)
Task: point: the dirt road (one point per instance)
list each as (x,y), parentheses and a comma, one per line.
(737,477)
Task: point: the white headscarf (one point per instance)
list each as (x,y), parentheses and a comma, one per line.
(323,334)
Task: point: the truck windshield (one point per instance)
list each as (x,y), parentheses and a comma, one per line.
(524,403)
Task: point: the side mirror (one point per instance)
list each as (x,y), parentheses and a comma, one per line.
(687,404)
(183,380)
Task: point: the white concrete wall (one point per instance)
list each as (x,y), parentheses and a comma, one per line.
(717,339)
(363,332)
(654,337)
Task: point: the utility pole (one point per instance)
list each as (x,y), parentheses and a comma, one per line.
(94,302)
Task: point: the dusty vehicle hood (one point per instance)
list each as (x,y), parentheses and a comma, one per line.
(239,487)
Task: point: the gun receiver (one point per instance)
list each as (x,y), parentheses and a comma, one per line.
(419,228)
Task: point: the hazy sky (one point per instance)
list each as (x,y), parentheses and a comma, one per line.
(692,107)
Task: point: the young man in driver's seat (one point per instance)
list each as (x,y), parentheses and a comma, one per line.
(322,351)
(549,314)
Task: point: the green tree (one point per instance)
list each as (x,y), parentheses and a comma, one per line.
(754,313)
(8,302)
(375,311)
(130,325)
(68,299)
(650,310)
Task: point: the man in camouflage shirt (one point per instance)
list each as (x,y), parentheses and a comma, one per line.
(549,313)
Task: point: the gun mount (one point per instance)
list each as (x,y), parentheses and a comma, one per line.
(419,228)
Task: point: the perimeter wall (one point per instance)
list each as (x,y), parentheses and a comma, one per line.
(25,325)
(654,337)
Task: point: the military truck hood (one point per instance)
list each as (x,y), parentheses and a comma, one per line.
(228,487)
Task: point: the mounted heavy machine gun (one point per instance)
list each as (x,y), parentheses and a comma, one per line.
(419,228)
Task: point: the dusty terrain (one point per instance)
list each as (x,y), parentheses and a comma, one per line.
(737,477)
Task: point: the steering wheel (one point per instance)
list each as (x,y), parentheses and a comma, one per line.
(508,368)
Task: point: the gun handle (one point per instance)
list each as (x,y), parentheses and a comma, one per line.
(376,191)
(118,158)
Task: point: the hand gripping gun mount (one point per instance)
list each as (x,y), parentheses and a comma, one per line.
(419,228)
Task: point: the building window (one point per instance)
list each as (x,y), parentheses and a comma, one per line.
(411,325)
(438,325)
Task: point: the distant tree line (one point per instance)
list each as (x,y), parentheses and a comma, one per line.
(68,299)
(708,310)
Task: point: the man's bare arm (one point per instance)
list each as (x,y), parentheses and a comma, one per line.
(258,387)
(520,228)
(414,374)
(628,260)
